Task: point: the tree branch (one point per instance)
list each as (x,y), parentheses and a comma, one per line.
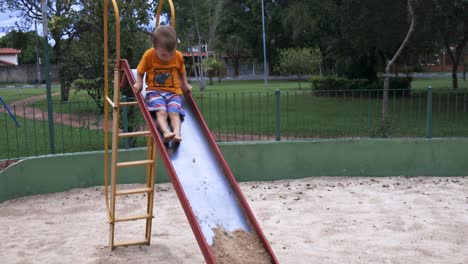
(405,41)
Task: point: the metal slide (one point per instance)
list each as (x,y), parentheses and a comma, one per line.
(205,186)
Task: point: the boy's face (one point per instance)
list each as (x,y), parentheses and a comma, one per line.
(164,54)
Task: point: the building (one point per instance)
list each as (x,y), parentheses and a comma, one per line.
(9,56)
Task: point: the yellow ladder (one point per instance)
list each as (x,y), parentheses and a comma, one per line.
(149,162)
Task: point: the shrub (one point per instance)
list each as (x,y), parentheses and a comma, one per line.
(299,62)
(329,85)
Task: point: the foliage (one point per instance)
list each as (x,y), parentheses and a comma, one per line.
(213,67)
(451,27)
(93,87)
(299,62)
(355,37)
(27,42)
(329,85)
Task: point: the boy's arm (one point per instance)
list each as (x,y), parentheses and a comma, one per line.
(186,87)
(139,82)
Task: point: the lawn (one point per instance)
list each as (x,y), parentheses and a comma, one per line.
(32,138)
(12,95)
(437,83)
(246,110)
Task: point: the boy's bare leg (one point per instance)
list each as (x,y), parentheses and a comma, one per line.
(161,120)
(175,123)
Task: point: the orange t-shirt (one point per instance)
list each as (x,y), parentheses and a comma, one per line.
(160,75)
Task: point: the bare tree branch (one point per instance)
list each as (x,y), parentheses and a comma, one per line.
(390,63)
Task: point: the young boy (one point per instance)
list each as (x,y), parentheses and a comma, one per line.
(166,80)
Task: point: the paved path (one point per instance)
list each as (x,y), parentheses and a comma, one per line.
(22,108)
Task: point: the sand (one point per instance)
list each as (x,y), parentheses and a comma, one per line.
(312,220)
(238,246)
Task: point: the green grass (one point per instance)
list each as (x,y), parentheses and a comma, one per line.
(79,103)
(442,83)
(437,83)
(248,86)
(304,114)
(246,110)
(32,138)
(230,86)
(11,95)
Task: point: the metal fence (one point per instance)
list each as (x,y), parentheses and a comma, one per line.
(250,116)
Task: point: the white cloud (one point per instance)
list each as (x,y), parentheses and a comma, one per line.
(8,20)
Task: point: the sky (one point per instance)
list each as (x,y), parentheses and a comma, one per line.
(6,20)
(9,19)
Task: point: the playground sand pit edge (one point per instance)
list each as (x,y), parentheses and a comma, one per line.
(311,220)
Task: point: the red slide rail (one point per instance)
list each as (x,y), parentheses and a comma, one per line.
(205,248)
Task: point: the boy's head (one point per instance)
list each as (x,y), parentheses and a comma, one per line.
(164,40)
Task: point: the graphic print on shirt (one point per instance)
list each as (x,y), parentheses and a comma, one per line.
(163,78)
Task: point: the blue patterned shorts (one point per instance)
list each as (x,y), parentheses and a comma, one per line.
(167,101)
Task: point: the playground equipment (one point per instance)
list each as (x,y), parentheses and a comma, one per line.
(9,112)
(202,180)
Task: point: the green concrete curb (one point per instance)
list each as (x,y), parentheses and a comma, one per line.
(262,161)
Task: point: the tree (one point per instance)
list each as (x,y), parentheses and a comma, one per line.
(451,24)
(213,67)
(235,49)
(24,41)
(299,62)
(198,29)
(390,63)
(68,20)
(241,32)
(62,18)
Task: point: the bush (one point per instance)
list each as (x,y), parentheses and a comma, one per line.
(334,86)
(299,62)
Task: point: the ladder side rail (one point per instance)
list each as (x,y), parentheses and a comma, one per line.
(150,181)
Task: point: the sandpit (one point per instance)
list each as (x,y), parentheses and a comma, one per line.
(312,220)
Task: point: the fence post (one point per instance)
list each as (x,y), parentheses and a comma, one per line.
(125,121)
(278,134)
(429,113)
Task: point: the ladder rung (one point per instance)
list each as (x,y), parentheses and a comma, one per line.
(132,134)
(134,191)
(110,102)
(134,163)
(128,103)
(132,218)
(130,243)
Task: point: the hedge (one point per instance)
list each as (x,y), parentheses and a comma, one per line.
(330,86)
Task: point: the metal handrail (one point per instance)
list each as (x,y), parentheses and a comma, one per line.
(106,90)
(158,13)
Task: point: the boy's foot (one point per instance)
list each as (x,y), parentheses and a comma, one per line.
(177,138)
(168,136)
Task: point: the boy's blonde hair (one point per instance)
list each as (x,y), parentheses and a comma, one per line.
(164,37)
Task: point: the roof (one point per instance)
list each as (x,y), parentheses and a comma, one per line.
(195,54)
(9,51)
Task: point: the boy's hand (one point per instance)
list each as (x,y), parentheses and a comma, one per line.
(138,86)
(188,88)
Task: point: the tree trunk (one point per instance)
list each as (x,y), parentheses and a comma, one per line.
(200,64)
(454,75)
(455,57)
(236,67)
(464,54)
(390,63)
(455,60)
(464,71)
